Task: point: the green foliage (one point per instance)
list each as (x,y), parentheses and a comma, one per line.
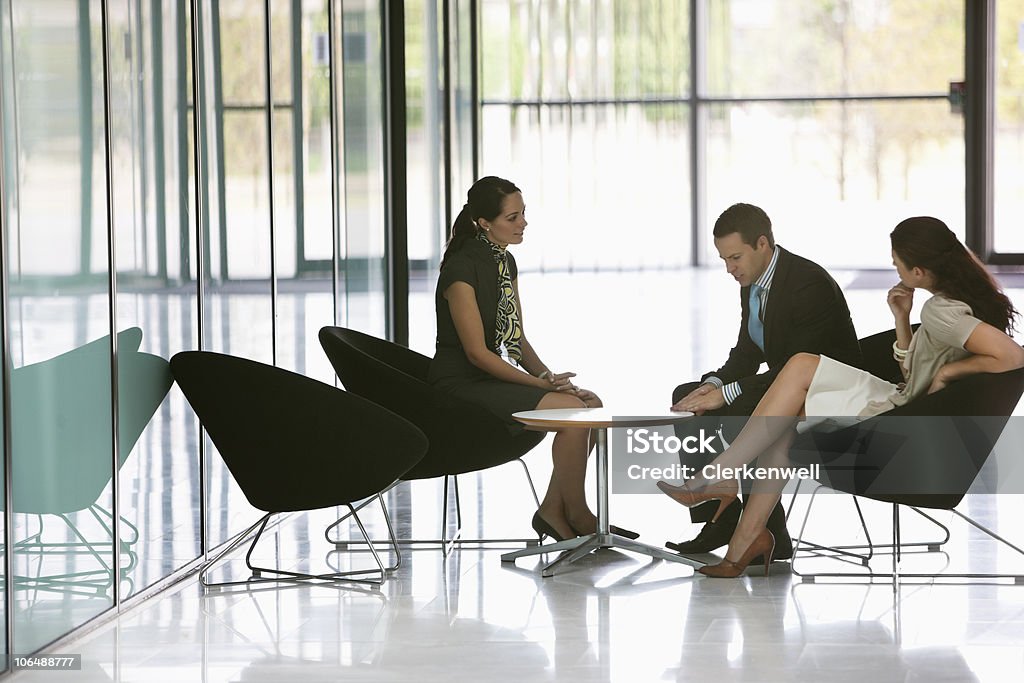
(242,71)
(417,45)
(1010,63)
(651,48)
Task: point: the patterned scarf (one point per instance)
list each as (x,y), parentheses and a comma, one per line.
(508,330)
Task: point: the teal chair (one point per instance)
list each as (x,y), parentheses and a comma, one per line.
(62,443)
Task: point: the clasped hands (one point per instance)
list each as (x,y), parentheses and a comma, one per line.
(562,381)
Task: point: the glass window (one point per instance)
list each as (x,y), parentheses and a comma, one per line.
(157,307)
(862,163)
(827,171)
(1008,151)
(584,49)
(360,101)
(56,225)
(58,321)
(238,305)
(567,116)
(6,171)
(602,183)
(303,220)
(425,138)
(846,47)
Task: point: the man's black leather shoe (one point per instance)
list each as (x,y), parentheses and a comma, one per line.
(783,551)
(712,536)
(715,535)
(777,525)
(783,548)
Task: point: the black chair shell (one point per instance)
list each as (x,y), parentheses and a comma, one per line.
(926,453)
(291,442)
(463,436)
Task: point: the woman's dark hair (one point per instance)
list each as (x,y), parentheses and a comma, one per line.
(926,242)
(483,200)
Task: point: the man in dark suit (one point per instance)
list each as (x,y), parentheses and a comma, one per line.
(789,305)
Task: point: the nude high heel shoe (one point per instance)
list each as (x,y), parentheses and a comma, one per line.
(724,491)
(764,544)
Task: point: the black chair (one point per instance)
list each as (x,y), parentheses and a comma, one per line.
(463,437)
(925,454)
(295,444)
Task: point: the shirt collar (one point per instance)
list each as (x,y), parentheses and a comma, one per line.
(765,281)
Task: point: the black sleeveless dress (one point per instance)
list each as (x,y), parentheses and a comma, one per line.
(450,369)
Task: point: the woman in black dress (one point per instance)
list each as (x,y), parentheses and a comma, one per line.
(480,324)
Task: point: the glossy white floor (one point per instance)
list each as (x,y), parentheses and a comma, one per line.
(614,616)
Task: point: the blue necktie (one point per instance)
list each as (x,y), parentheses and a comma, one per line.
(754,324)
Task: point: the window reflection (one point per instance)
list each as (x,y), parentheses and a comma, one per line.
(159,478)
(58,299)
(57,308)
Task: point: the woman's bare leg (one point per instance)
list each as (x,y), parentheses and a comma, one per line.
(768,424)
(762,499)
(564,506)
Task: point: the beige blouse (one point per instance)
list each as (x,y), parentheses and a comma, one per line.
(946,324)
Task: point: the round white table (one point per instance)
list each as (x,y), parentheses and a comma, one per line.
(600,420)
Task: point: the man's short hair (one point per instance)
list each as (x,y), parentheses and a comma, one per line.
(748,220)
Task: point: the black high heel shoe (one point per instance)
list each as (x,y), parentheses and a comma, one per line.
(625,533)
(618,531)
(543,529)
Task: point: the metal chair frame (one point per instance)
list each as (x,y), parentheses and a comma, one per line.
(895,550)
(969,395)
(72,582)
(845,550)
(350,576)
(357,355)
(448,544)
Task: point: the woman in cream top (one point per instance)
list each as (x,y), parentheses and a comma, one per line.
(838,390)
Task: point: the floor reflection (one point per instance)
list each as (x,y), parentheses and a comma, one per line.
(613,618)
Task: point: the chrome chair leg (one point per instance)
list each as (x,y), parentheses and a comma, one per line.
(446,542)
(275,574)
(392,541)
(843,552)
(898,548)
(529,480)
(337,522)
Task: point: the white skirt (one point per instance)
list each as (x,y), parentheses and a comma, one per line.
(841,394)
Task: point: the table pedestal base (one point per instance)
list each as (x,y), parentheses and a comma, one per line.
(574,548)
(581,546)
